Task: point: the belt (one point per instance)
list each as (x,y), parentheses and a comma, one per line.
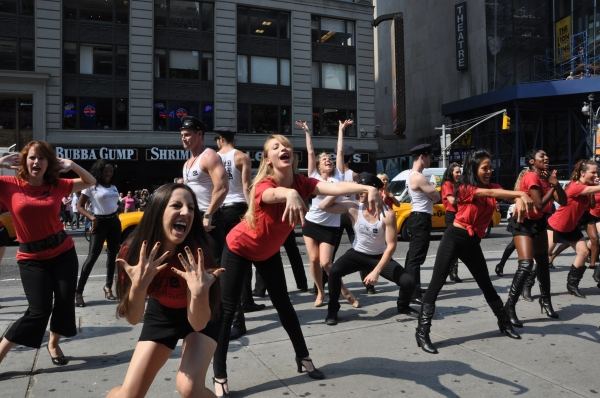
(51,242)
(237,204)
(421,212)
(106,216)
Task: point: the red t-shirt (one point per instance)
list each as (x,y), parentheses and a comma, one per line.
(265,241)
(565,219)
(448,189)
(596,210)
(34,211)
(474,213)
(3,209)
(529,180)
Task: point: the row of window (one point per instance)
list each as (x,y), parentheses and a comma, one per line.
(190,15)
(115,11)
(95,59)
(16,54)
(168,114)
(95,113)
(21,7)
(183,64)
(263,70)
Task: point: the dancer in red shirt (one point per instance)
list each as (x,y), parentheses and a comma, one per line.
(563,225)
(530,235)
(46,257)
(183,300)
(276,205)
(449,180)
(476,198)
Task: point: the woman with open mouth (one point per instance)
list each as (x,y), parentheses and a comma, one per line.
(530,236)
(321,228)
(277,204)
(47,260)
(476,200)
(175,272)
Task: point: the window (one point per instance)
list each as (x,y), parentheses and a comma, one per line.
(16,54)
(70,9)
(183,64)
(122,12)
(95,113)
(70,57)
(183,14)
(208,115)
(96,10)
(264,70)
(264,23)
(8,53)
(167,114)
(26,55)
(27,7)
(8,6)
(16,121)
(122,64)
(160,115)
(332,31)
(160,63)
(326,121)
(95,59)
(316,75)
(207,67)
(264,119)
(69,113)
(333,76)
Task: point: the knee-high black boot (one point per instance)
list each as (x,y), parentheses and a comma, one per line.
(575,275)
(422,334)
(454,274)
(504,323)
(523,271)
(529,283)
(543,276)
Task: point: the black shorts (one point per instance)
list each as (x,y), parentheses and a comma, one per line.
(167,325)
(586,219)
(4,239)
(531,228)
(567,237)
(320,233)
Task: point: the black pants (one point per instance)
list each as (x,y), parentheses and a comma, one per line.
(291,248)
(419,227)
(109,230)
(353,261)
(456,242)
(271,271)
(42,280)
(216,237)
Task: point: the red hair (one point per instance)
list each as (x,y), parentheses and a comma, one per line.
(44,150)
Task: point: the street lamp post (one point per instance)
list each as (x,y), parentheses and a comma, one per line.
(588,110)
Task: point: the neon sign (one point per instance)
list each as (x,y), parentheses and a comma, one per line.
(69,110)
(181,113)
(208,108)
(89,111)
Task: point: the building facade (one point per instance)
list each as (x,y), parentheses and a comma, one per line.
(113,78)
(464,60)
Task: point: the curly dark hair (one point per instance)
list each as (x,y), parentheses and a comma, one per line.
(42,149)
(98,168)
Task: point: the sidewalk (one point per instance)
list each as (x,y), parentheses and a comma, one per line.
(371,352)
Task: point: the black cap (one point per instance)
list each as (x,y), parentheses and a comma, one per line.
(225,132)
(190,122)
(348,150)
(365,178)
(423,149)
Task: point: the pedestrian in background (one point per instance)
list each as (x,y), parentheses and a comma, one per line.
(130,202)
(74,201)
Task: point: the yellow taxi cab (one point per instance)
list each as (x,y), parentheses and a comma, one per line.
(438,222)
(6,220)
(128,223)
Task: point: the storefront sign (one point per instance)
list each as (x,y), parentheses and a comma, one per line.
(167,154)
(563,40)
(462,44)
(94,154)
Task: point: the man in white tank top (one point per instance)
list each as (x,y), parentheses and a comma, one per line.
(423,196)
(372,251)
(205,174)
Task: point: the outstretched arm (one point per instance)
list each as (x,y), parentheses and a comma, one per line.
(312,159)
(391,236)
(339,160)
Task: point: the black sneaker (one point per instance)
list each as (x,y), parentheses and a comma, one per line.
(332,318)
(371,289)
(408,311)
(253,307)
(237,332)
(257,293)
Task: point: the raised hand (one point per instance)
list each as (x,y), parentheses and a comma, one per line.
(345,124)
(64,165)
(10,162)
(143,273)
(553,178)
(197,278)
(303,125)
(295,208)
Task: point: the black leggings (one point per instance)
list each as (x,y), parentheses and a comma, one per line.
(43,280)
(508,250)
(271,271)
(456,242)
(353,261)
(109,230)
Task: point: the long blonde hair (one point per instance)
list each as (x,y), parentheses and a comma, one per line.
(518,182)
(265,170)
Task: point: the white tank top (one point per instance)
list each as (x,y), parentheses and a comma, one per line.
(369,238)
(348,176)
(318,216)
(199,181)
(421,202)
(236,188)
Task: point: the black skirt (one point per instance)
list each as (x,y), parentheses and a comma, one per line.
(587,218)
(531,228)
(567,237)
(320,233)
(166,325)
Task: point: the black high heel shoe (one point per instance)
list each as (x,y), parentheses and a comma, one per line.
(499,270)
(222,383)
(58,361)
(108,293)
(314,374)
(79,301)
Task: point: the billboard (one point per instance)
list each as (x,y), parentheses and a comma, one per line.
(563,40)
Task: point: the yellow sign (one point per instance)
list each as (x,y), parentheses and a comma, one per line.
(598,141)
(563,40)
(465,141)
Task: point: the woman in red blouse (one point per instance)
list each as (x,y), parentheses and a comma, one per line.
(277,203)
(183,300)
(563,225)
(476,198)
(449,181)
(47,260)
(530,235)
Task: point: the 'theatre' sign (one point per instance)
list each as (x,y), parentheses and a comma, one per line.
(462,44)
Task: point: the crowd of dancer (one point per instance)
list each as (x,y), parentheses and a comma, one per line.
(186,270)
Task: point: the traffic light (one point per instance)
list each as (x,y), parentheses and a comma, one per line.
(505,122)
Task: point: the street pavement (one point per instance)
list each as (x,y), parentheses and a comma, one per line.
(371,352)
